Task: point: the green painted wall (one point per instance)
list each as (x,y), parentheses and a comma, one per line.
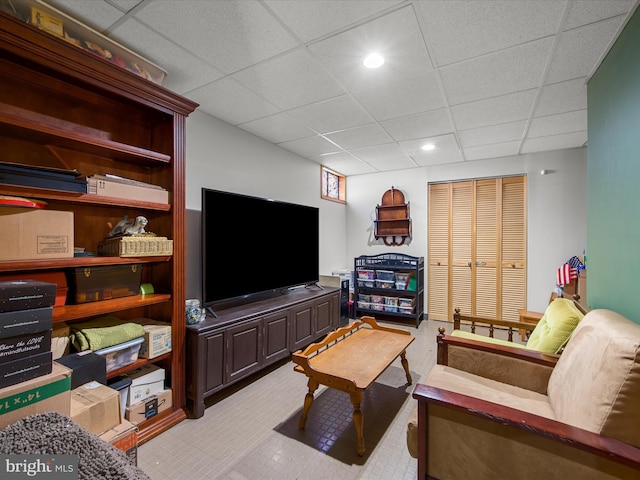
(613,178)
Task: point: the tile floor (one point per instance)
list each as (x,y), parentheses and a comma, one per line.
(250,430)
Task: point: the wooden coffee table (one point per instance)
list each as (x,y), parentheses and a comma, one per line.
(350,360)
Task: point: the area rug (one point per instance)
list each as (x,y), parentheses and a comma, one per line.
(55,434)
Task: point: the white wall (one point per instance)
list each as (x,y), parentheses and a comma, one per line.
(224,157)
(556,210)
(227,158)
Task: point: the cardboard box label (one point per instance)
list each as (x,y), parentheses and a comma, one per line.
(34,395)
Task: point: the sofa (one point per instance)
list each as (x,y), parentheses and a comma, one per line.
(490,411)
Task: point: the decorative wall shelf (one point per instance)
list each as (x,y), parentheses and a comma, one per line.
(393,223)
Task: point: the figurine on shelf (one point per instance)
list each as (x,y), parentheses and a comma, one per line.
(125,227)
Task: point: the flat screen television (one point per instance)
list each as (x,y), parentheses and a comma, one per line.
(255,246)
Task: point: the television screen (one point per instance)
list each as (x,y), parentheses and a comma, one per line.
(254,245)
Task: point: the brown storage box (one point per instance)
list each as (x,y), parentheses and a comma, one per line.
(34,234)
(91,284)
(47,393)
(96,407)
(149,408)
(124,437)
(157,338)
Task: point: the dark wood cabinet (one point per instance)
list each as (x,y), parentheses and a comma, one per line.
(61,107)
(245,339)
(243,349)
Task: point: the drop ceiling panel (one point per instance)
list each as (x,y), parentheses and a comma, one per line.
(278,128)
(459,30)
(493,77)
(228,35)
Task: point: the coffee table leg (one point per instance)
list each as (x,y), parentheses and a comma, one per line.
(308,400)
(405,364)
(356,400)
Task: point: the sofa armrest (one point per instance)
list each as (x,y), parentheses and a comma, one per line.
(516,366)
(557,446)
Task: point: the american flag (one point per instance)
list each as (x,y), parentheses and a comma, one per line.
(566,274)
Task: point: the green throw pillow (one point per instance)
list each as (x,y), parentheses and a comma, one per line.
(555,327)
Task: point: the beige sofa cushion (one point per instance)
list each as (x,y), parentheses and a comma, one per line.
(596,383)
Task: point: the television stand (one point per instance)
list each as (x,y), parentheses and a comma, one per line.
(314,283)
(244,339)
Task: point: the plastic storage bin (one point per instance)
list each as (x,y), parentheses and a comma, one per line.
(367,274)
(402,277)
(384,275)
(385,283)
(122,354)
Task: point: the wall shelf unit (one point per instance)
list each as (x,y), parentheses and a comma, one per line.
(62,107)
(379,289)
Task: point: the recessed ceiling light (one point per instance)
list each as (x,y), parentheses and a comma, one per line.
(373,60)
(428,147)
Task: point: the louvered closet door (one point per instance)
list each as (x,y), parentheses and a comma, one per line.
(438,254)
(479,226)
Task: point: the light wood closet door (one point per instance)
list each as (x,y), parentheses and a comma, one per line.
(477,248)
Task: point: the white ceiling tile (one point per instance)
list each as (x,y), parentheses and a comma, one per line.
(491,151)
(493,111)
(579,50)
(278,128)
(310,20)
(365,136)
(396,36)
(505,132)
(184,71)
(555,142)
(589,11)
(446,150)
(330,115)
(231,102)
(508,71)
(560,123)
(310,146)
(405,97)
(562,97)
(290,81)
(228,35)
(290,71)
(344,163)
(458,30)
(420,125)
(384,156)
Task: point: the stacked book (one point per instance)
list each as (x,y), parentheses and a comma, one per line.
(42,177)
(120,187)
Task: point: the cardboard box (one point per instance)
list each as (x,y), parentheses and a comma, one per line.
(27,368)
(157,338)
(47,393)
(24,322)
(124,437)
(35,234)
(150,407)
(114,189)
(145,381)
(96,407)
(21,346)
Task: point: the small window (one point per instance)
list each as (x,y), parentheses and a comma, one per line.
(333,186)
